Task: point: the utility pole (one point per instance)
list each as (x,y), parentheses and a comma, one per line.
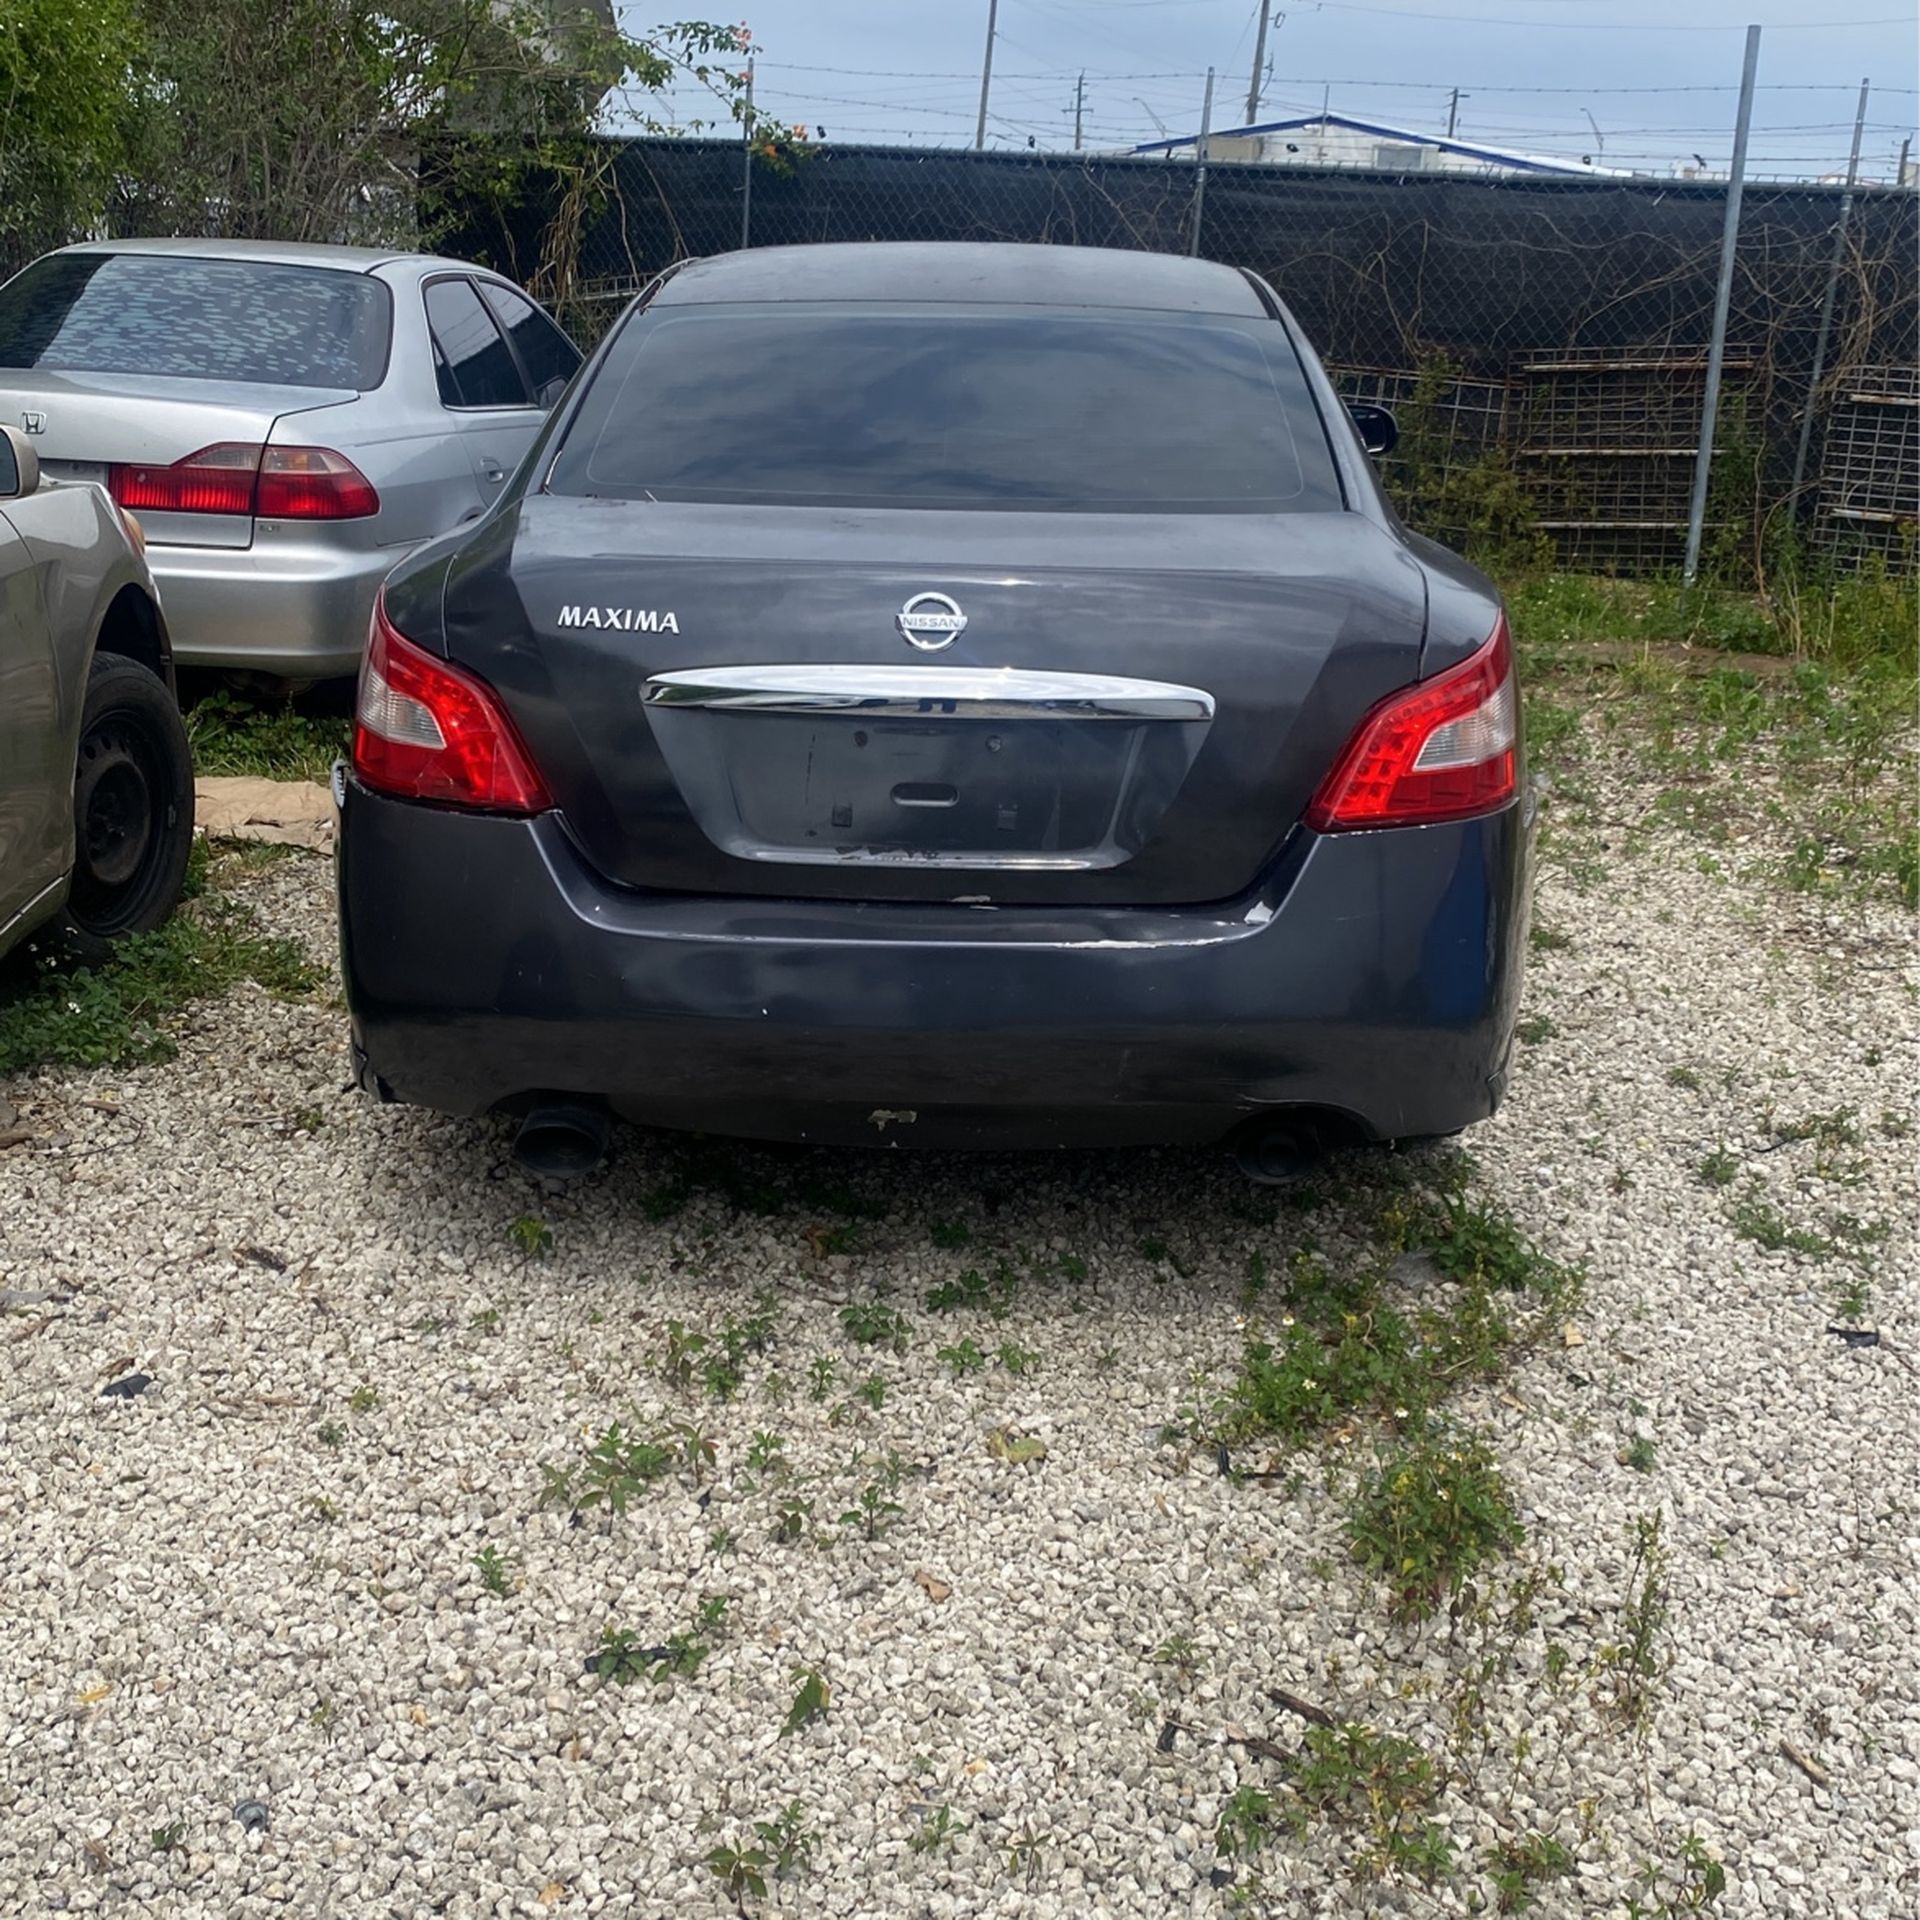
(1259,62)
(1200,171)
(1900,172)
(1079,109)
(986,76)
(1453,112)
(1826,305)
(1722,299)
(746,165)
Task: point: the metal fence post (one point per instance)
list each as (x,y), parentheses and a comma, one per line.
(1826,307)
(746,166)
(1723,296)
(1200,170)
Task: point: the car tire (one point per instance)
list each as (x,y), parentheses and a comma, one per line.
(132,809)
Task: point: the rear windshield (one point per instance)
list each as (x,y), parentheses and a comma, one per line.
(155,313)
(1108,412)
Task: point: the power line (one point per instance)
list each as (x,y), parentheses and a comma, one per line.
(1466,84)
(1607,26)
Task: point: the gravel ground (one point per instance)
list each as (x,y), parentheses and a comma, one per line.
(257,1579)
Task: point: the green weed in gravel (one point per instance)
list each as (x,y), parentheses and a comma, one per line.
(121,1014)
(1379,1785)
(613,1472)
(781,1847)
(495,1570)
(812,1697)
(989,1292)
(1634,1664)
(1690,1885)
(875,1324)
(1519,1867)
(1432,1511)
(1348,1343)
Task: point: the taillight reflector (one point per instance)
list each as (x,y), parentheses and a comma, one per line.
(1444,750)
(241,478)
(423,730)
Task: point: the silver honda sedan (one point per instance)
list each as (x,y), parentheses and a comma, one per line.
(286,421)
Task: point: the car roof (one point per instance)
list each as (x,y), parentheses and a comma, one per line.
(285,253)
(945,273)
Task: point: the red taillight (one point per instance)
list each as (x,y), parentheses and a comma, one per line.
(313,483)
(218,479)
(1443,750)
(238,477)
(426,731)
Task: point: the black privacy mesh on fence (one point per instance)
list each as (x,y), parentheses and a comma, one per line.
(1544,339)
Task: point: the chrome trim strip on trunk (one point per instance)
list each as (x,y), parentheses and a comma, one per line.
(921,693)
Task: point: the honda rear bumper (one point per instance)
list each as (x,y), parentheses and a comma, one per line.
(295,610)
(1372,975)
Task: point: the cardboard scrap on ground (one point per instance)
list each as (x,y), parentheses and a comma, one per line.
(294,813)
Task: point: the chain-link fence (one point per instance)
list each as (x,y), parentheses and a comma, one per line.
(1543,339)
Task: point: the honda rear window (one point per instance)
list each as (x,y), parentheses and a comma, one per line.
(1021,409)
(174,314)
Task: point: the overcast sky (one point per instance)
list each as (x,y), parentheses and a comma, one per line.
(1529,72)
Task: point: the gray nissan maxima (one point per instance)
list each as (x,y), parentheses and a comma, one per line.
(941,696)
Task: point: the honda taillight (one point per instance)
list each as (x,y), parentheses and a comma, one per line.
(239,477)
(426,731)
(312,483)
(1444,750)
(218,479)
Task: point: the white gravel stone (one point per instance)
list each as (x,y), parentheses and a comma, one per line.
(202,1601)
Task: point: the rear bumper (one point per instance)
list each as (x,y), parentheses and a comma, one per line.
(297,612)
(1374,974)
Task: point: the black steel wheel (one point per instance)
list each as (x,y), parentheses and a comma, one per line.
(132,808)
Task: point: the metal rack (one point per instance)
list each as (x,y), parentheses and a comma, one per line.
(1606,443)
(1867,503)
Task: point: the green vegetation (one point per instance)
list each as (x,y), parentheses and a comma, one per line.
(1469,499)
(1347,1345)
(781,1847)
(1432,1511)
(1690,1886)
(1719,1168)
(1635,1664)
(992,1292)
(963,1357)
(874,1324)
(617,1468)
(269,741)
(495,1570)
(122,1014)
(874,1508)
(531,1236)
(1801,721)
(64,66)
(936,1832)
(1519,1867)
(717,1359)
(811,1699)
(1379,1784)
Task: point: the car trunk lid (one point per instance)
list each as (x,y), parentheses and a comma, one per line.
(83,425)
(884,704)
